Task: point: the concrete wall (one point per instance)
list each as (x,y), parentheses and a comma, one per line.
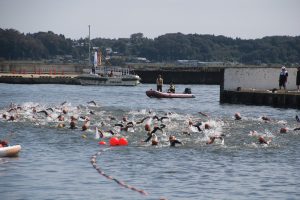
(258,78)
(181,77)
(40,68)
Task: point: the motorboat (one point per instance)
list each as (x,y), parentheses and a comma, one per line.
(110,76)
(156,94)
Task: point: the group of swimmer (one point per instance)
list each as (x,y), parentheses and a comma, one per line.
(65,116)
(261,138)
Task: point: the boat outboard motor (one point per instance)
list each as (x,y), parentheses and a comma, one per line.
(187,91)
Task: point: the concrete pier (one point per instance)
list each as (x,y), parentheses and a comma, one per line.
(289,99)
(38,79)
(258,86)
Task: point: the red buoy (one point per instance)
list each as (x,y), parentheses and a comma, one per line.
(114,141)
(123,142)
(102,143)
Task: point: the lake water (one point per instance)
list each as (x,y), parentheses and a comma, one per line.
(55,162)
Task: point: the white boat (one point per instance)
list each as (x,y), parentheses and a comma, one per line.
(110,76)
(10,151)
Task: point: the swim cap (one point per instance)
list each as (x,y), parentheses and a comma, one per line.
(147,127)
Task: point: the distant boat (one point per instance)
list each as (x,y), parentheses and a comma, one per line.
(104,75)
(156,94)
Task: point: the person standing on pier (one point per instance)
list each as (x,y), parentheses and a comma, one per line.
(283,78)
(298,79)
(159,83)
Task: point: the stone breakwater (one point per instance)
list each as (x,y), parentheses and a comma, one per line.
(38,79)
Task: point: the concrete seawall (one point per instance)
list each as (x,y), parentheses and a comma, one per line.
(182,76)
(38,79)
(281,100)
(258,87)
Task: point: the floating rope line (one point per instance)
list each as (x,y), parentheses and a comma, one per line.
(121,183)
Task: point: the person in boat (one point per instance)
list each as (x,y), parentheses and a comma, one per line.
(3,143)
(173,141)
(159,83)
(172,88)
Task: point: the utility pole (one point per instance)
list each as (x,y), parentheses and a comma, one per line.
(89,45)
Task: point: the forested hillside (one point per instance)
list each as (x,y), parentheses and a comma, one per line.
(165,48)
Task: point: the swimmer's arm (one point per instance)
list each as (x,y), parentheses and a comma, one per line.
(177,142)
(148,139)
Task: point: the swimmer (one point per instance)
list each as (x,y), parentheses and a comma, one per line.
(92,102)
(125,119)
(152,133)
(86,124)
(142,120)
(63,103)
(265,118)
(195,125)
(213,138)
(237,116)
(73,118)
(92,112)
(154,140)
(159,119)
(51,109)
(12,118)
(262,140)
(173,141)
(45,112)
(253,133)
(3,143)
(207,126)
(111,118)
(125,128)
(4,116)
(73,125)
(297,118)
(61,125)
(65,110)
(204,114)
(61,118)
(284,130)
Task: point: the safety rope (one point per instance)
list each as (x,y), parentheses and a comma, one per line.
(121,183)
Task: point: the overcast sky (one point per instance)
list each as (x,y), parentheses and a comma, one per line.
(246,19)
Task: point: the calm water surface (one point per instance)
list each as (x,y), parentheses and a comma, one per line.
(55,162)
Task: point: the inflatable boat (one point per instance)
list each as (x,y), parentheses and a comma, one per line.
(156,94)
(10,151)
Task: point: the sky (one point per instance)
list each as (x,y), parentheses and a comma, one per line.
(246,19)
